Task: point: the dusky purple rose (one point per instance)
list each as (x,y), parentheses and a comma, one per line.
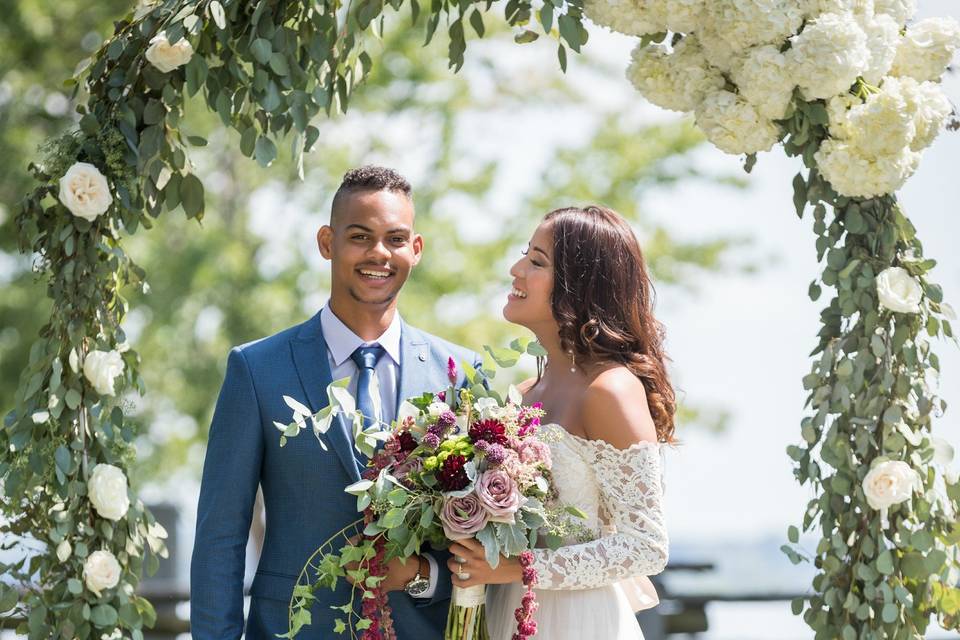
(462,517)
(498,494)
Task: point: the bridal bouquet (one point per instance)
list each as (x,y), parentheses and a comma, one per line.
(455,464)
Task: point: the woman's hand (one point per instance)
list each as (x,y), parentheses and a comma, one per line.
(475,565)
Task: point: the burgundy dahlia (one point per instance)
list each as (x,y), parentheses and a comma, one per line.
(407,441)
(493,431)
(452,476)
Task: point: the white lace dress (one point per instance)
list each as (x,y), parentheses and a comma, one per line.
(578,591)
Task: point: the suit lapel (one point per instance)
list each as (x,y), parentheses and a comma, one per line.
(310,356)
(414,360)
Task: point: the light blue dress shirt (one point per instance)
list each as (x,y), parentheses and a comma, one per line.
(341,343)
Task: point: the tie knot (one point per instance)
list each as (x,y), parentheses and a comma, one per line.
(367,357)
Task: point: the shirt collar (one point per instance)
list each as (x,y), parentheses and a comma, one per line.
(342,341)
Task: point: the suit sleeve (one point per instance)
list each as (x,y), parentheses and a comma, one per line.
(228,488)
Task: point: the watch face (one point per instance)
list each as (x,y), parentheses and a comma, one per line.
(417,586)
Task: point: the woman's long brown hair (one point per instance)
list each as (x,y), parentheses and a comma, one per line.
(603,302)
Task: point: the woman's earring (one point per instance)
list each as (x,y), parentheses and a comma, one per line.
(573,362)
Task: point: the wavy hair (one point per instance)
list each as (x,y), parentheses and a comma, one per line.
(603,302)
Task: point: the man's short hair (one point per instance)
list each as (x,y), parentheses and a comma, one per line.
(370,178)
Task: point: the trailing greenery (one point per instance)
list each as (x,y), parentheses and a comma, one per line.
(872,395)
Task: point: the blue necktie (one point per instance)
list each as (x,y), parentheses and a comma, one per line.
(366,360)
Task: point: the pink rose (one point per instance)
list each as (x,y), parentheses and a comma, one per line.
(499,495)
(462,517)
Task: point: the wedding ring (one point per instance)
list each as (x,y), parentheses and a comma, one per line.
(463,576)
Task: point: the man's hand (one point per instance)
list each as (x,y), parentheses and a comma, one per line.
(399,572)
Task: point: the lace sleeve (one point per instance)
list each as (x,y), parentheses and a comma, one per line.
(631,493)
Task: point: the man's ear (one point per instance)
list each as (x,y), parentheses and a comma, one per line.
(417,248)
(325,241)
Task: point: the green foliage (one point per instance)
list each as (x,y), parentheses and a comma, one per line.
(870,400)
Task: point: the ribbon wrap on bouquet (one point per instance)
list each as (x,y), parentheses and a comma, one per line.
(467,619)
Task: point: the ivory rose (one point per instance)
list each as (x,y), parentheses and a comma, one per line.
(898,290)
(165,56)
(107,490)
(101,571)
(85,191)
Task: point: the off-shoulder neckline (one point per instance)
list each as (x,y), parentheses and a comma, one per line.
(636,446)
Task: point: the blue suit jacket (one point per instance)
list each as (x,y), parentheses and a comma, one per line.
(302,487)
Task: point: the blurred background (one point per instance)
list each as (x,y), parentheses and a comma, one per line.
(488,151)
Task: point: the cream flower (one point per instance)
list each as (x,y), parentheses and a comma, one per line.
(927,49)
(889,483)
(898,290)
(881,126)
(733,125)
(746,23)
(107,490)
(855,175)
(685,16)
(85,191)
(883,38)
(628,16)
(829,55)
(101,571)
(765,80)
(100,368)
(165,56)
(676,80)
(899,10)
(927,105)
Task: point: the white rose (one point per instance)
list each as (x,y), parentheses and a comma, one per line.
(765,80)
(881,126)
(107,490)
(85,191)
(927,49)
(898,290)
(64,550)
(101,571)
(888,483)
(436,408)
(677,79)
(100,368)
(883,38)
(928,106)
(165,56)
(829,55)
(628,16)
(733,124)
(746,23)
(899,10)
(855,175)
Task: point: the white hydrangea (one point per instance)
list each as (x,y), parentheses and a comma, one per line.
(882,125)
(927,105)
(859,7)
(675,80)
(733,124)
(684,16)
(829,55)
(883,38)
(630,17)
(927,49)
(765,80)
(719,52)
(837,109)
(855,175)
(899,10)
(746,23)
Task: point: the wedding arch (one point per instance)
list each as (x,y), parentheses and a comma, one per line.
(849,86)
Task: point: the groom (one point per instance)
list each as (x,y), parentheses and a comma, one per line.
(372,247)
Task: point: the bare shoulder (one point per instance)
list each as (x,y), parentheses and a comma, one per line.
(526,385)
(615,409)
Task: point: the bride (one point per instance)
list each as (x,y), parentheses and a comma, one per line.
(582,288)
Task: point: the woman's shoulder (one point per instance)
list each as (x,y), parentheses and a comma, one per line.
(615,410)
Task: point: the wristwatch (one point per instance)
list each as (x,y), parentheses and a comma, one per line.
(419,584)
